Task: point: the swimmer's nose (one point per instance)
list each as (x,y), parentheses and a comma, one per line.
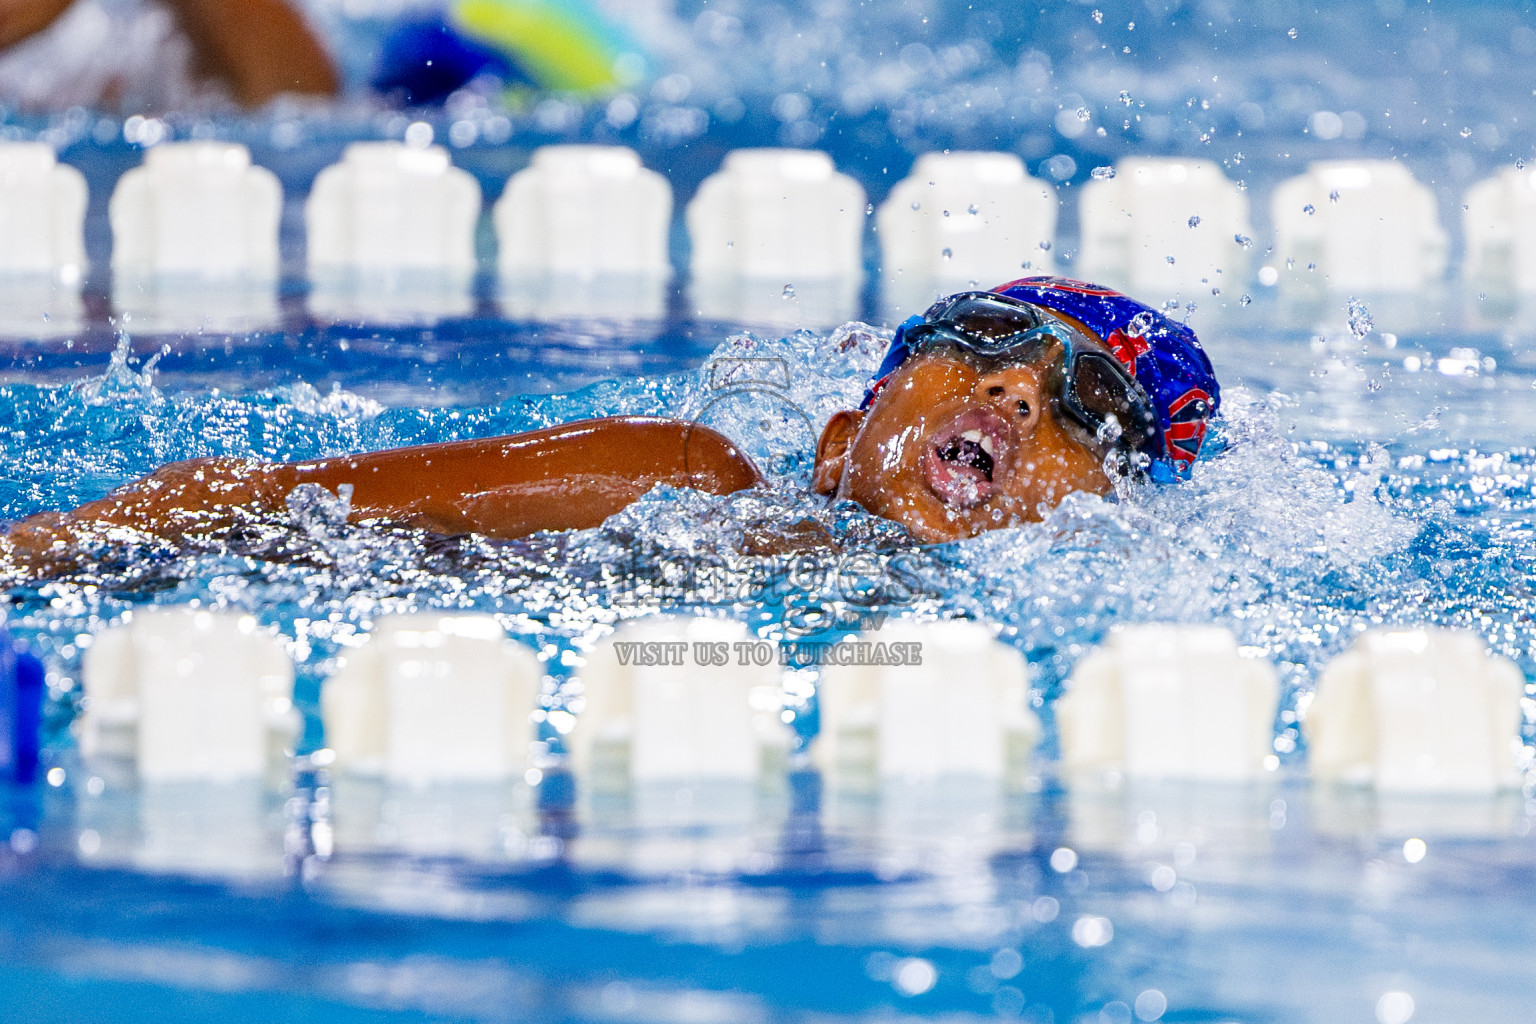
(1014,392)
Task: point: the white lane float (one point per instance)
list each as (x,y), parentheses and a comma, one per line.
(962,220)
(1165,226)
(673,699)
(584,211)
(583,232)
(197,209)
(433,697)
(189,695)
(391,235)
(777,237)
(42,214)
(1417,711)
(949,700)
(1499,226)
(1170,702)
(1364,226)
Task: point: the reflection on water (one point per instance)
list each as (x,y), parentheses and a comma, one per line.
(1266,902)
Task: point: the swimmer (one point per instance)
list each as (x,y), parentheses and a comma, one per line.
(986,412)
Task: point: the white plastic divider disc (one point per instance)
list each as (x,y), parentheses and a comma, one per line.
(778,213)
(208,694)
(42,213)
(1358,226)
(658,705)
(937,699)
(1170,701)
(199,209)
(433,697)
(581,211)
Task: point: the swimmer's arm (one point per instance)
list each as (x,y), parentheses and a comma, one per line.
(571,476)
(262,48)
(22,18)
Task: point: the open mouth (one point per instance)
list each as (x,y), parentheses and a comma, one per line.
(963,457)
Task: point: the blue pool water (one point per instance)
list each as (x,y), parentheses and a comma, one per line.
(1355,482)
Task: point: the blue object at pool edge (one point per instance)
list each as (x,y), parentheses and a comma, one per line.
(21,710)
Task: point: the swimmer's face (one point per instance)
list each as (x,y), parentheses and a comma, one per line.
(954,446)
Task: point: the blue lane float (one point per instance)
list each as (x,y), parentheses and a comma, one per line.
(21,711)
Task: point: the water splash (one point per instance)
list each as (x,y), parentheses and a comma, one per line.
(1360,323)
(1296,548)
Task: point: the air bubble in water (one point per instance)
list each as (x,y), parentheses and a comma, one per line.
(789,291)
(1309,209)
(1360,323)
(1333,196)
(1194,221)
(1243,240)
(1102,173)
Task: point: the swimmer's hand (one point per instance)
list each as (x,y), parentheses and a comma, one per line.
(178,501)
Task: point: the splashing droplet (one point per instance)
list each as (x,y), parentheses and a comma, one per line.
(1245,300)
(1140,324)
(1170,259)
(1309,209)
(1125,98)
(1098,17)
(789,291)
(869,208)
(973,209)
(1466,133)
(1360,323)
(948,255)
(1194,221)
(1333,196)
(1102,173)
(1243,240)
(1045,246)
(1292,33)
(916,205)
(1083,114)
(1520,163)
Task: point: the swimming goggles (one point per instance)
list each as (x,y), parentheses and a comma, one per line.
(1088,386)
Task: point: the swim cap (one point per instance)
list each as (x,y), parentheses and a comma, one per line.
(1162,354)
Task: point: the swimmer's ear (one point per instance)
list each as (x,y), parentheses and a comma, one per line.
(832,450)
